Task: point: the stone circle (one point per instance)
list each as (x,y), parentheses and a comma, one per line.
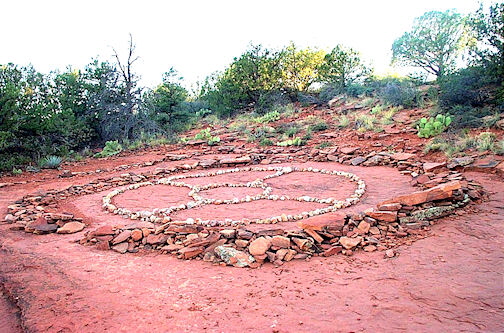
(163,215)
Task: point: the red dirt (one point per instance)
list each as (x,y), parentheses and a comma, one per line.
(451,281)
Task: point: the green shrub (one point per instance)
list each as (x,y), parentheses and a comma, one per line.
(499,148)
(111,148)
(485,141)
(400,93)
(344,121)
(322,145)
(205,135)
(266,142)
(433,126)
(50,162)
(319,127)
(365,122)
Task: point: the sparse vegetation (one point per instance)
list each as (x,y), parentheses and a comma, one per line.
(111,148)
(50,162)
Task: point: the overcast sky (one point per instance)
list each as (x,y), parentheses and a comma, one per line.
(198,37)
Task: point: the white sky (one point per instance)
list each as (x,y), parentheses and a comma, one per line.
(198,37)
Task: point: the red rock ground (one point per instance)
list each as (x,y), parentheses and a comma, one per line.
(451,281)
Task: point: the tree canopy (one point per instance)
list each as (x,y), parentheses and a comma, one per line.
(433,44)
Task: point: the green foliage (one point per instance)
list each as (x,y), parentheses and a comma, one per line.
(323,145)
(344,121)
(486,141)
(365,122)
(111,148)
(488,29)
(319,127)
(342,67)
(400,93)
(300,68)
(205,135)
(266,142)
(17,172)
(50,162)
(499,148)
(433,126)
(167,104)
(297,141)
(268,117)
(433,44)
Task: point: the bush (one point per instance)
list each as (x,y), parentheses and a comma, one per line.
(464,88)
(400,93)
(433,126)
(111,148)
(319,127)
(50,162)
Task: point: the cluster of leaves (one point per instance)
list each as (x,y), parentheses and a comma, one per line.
(205,135)
(50,162)
(111,148)
(433,126)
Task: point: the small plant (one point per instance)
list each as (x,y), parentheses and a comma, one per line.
(323,145)
(50,162)
(499,148)
(291,142)
(214,140)
(377,109)
(16,172)
(485,141)
(433,126)
(344,121)
(319,127)
(365,122)
(111,148)
(205,135)
(268,117)
(266,142)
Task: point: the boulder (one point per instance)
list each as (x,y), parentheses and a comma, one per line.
(259,246)
(442,191)
(71,228)
(233,256)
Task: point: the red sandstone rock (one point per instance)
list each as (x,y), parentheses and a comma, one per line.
(190,252)
(392,207)
(71,228)
(157,239)
(386,216)
(349,243)
(349,150)
(259,246)
(121,248)
(402,156)
(280,241)
(335,219)
(332,251)
(439,192)
(430,167)
(103,231)
(136,235)
(124,235)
